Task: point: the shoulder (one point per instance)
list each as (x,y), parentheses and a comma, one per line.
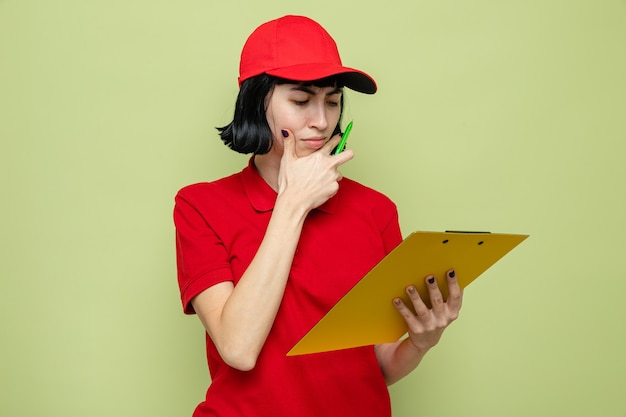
(361,203)
(199,187)
(357,198)
(202,190)
(363,194)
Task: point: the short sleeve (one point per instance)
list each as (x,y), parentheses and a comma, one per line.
(202,259)
(385,213)
(392,236)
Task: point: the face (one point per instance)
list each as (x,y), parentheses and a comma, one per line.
(310,113)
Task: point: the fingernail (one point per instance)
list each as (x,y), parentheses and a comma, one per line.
(285,133)
(396,301)
(451,274)
(431,280)
(411,290)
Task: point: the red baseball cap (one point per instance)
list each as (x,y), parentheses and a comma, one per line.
(297,48)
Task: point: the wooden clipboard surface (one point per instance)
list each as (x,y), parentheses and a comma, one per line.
(366,315)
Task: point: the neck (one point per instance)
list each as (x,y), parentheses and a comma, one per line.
(268,169)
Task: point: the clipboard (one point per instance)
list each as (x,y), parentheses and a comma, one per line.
(366,315)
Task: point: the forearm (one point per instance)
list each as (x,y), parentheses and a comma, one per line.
(397,360)
(425,327)
(239,318)
(240,329)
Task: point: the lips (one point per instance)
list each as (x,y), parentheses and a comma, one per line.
(314,143)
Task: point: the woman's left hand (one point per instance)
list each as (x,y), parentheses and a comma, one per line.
(426,325)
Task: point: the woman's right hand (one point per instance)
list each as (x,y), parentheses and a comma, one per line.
(312,179)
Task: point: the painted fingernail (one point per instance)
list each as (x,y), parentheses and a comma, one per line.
(431,280)
(285,133)
(397,301)
(411,290)
(451,274)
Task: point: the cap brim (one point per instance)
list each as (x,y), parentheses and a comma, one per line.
(352,78)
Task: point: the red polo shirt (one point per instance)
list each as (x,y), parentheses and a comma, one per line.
(219,226)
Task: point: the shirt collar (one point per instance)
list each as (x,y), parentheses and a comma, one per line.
(263,197)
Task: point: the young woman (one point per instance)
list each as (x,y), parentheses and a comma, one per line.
(257,251)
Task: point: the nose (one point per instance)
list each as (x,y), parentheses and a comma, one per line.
(318,119)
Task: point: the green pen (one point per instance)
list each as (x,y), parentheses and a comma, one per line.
(344,139)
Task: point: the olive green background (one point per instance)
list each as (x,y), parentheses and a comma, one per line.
(508,116)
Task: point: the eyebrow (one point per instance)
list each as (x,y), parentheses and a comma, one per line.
(309,90)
